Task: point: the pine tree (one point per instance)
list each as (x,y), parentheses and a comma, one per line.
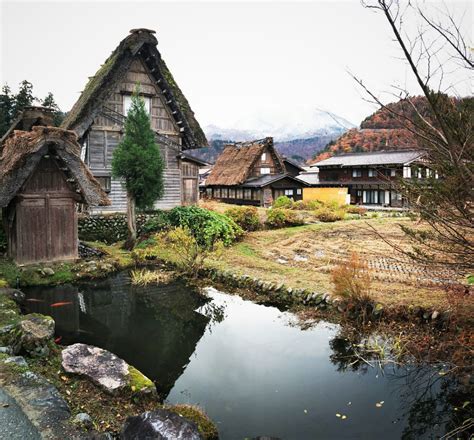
(6,109)
(50,102)
(137,160)
(23,98)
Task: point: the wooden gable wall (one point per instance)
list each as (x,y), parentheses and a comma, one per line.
(105,135)
(269,162)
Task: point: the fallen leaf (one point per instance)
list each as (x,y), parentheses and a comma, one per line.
(344,417)
(5,405)
(305,411)
(338,415)
(378,405)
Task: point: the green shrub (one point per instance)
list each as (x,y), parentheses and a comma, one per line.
(157,222)
(283,202)
(281,218)
(300,205)
(207,227)
(325,214)
(245,216)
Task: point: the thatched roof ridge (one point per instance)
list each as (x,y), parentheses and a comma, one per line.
(96,91)
(234,164)
(22,152)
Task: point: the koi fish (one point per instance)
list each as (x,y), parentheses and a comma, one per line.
(35,300)
(58,340)
(60,304)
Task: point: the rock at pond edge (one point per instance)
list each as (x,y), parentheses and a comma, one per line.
(105,369)
(159,424)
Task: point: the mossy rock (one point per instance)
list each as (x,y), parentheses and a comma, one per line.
(139,383)
(206,426)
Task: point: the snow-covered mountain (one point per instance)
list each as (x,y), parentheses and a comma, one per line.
(283,126)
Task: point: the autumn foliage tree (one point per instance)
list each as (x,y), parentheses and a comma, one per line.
(444,132)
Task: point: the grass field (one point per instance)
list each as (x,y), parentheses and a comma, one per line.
(303,257)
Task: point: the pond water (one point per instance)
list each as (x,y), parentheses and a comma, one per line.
(249,366)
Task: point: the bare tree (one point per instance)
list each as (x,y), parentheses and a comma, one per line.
(444,197)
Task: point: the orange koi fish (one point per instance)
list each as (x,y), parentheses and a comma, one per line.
(58,340)
(60,304)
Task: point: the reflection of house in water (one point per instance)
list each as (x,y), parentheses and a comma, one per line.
(155,328)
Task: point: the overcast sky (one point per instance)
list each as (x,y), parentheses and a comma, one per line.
(231,59)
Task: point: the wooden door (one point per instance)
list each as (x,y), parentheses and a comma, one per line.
(190,191)
(31,232)
(46,229)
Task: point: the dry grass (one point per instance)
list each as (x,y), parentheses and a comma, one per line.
(303,257)
(143,277)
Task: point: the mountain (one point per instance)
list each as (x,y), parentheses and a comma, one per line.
(297,134)
(383,130)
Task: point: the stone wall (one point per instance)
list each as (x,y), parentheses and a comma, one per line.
(107,228)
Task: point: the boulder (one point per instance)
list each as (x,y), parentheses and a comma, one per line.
(14,294)
(33,334)
(105,369)
(48,271)
(83,420)
(160,424)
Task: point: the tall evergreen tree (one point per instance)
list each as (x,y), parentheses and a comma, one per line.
(50,102)
(6,109)
(137,160)
(23,98)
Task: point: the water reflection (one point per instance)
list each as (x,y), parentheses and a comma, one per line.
(154,328)
(248,368)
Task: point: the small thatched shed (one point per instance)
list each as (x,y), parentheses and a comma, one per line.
(42,179)
(251,173)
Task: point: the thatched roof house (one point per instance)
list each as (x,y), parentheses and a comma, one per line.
(98,117)
(142,43)
(42,179)
(251,173)
(22,152)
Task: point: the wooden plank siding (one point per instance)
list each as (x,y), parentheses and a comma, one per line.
(105,135)
(45,227)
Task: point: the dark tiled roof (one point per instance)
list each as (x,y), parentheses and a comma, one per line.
(373,158)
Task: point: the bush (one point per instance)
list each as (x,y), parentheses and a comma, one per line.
(300,205)
(187,254)
(311,205)
(207,227)
(281,218)
(245,216)
(157,222)
(353,209)
(283,202)
(325,214)
(352,282)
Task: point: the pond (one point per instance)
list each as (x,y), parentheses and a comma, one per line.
(251,368)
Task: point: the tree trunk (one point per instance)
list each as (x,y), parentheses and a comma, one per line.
(131,223)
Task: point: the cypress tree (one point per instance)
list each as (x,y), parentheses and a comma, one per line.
(137,160)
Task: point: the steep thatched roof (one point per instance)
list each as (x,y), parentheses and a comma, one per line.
(143,43)
(234,164)
(30,116)
(22,152)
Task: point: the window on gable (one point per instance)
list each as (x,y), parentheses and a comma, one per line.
(105,183)
(265,170)
(264,157)
(127,104)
